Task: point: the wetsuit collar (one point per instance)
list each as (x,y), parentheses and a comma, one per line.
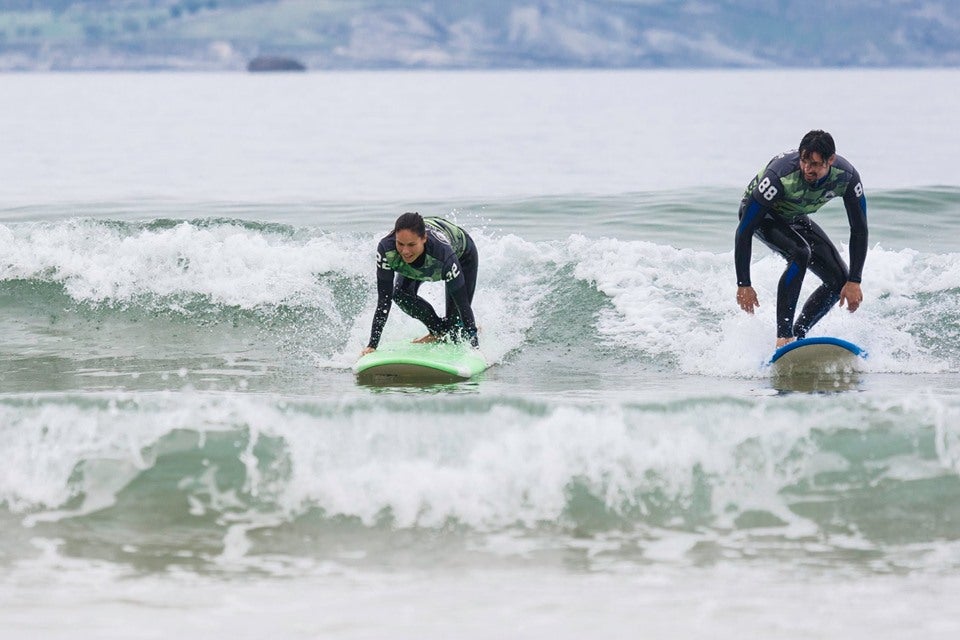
(420,259)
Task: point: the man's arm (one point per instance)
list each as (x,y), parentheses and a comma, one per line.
(743,241)
(742,250)
(765,190)
(855,203)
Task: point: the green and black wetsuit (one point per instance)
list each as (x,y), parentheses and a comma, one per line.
(449,255)
(775,208)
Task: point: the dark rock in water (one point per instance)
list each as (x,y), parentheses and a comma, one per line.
(274,63)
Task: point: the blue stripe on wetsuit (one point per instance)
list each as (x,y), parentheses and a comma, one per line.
(791,273)
(752,209)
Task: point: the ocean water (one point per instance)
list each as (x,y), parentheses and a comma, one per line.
(186,279)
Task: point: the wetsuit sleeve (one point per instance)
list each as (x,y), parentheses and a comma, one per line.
(856,204)
(466,313)
(384,299)
(763,192)
(743,241)
(457,290)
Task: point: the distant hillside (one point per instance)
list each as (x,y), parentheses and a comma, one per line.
(363,34)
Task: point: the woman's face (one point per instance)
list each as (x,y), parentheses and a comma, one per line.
(409,245)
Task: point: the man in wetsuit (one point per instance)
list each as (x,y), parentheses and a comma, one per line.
(426,250)
(775,209)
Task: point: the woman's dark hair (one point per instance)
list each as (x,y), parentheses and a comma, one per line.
(412,221)
(817,141)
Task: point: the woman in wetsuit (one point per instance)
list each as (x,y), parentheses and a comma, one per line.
(427,250)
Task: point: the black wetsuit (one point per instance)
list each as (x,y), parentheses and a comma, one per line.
(775,208)
(450,255)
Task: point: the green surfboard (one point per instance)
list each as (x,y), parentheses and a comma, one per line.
(410,363)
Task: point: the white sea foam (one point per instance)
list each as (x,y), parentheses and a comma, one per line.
(229,264)
(489,467)
(679,303)
(668,303)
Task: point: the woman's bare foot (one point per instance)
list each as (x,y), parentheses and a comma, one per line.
(784,341)
(427,338)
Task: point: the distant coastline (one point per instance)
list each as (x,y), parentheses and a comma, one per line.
(221,35)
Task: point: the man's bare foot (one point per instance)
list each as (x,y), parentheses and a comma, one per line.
(784,341)
(427,338)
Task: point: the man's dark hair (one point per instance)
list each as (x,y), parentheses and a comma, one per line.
(817,141)
(411,221)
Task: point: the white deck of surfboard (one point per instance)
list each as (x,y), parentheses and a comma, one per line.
(817,364)
(816,356)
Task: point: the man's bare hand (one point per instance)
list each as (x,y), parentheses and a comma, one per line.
(851,295)
(747,299)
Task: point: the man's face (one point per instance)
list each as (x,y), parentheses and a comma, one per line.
(814,167)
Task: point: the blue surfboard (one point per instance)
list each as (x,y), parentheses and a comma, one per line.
(402,363)
(819,352)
